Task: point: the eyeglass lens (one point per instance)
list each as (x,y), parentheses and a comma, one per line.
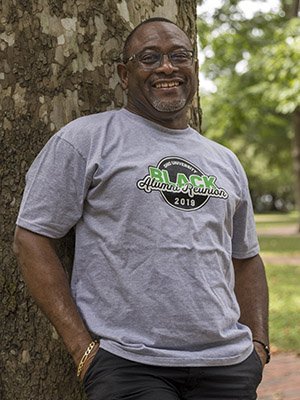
(153,59)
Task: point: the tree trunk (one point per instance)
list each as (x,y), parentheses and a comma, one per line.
(57,62)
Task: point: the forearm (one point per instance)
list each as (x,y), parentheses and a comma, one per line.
(252,295)
(48,284)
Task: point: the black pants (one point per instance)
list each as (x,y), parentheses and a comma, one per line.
(111,377)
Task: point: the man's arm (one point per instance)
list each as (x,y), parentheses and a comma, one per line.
(48,284)
(252,295)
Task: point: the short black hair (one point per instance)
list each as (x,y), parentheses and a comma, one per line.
(129,37)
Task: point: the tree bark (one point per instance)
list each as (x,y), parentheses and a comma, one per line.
(57,62)
(296,7)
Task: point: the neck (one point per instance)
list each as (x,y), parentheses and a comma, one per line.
(172,120)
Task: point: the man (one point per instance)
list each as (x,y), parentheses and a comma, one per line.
(167,275)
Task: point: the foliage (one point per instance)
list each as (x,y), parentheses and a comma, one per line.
(280,63)
(253,64)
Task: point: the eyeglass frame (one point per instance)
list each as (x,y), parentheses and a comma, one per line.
(134,57)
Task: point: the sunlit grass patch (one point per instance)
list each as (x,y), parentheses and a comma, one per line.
(283,283)
(276,219)
(279,243)
(283,279)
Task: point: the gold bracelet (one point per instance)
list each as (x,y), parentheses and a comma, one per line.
(85,356)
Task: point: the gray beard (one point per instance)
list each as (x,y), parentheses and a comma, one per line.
(168,106)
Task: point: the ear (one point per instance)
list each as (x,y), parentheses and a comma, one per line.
(123,75)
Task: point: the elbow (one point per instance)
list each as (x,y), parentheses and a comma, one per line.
(22,238)
(20,244)
(17,243)
(27,244)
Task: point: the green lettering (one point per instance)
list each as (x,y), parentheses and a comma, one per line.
(194,178)
(209,182)
(156,174)
(166,177)
(181,180)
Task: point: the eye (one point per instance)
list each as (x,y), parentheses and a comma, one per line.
(149,58)
(180,56)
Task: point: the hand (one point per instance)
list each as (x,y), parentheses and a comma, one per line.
(88,362)
(261,353)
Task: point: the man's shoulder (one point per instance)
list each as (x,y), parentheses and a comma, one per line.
(83,135)
(218,149)
(88,123)
(88,130)
(222,155)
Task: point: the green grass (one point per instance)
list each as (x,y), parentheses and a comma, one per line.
(283,283)
(283,279)
(276,219)
(279,244)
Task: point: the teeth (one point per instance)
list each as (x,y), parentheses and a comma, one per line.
(166,84)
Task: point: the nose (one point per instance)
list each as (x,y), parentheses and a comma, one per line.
(166,66)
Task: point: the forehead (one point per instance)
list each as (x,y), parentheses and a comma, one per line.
(161,35)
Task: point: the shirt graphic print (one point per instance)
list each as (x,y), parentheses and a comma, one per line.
(181,184)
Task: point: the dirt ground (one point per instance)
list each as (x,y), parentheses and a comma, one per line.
(281,378)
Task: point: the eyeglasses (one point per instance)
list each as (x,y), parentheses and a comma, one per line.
(152,59)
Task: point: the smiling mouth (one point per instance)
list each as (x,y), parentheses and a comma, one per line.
(164,85)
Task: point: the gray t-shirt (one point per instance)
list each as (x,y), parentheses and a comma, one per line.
(159,214)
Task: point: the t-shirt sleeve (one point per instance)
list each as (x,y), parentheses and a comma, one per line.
(56,185)
(244,241)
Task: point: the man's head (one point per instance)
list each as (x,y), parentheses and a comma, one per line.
(127,43)
(159,72)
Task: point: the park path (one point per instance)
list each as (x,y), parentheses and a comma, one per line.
(281,379)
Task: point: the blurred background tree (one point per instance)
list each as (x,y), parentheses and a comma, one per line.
(253,107)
